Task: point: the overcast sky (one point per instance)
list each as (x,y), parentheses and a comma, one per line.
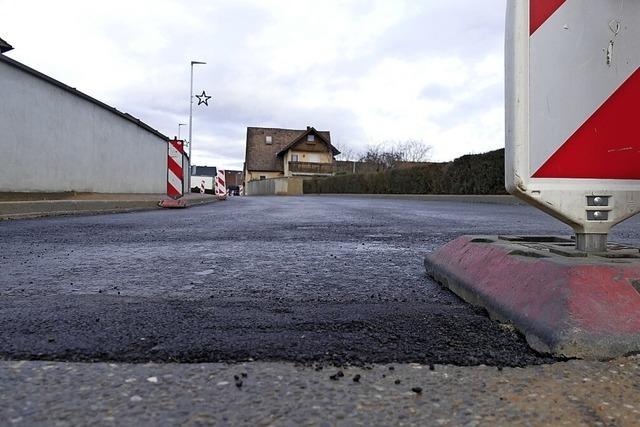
(368,71)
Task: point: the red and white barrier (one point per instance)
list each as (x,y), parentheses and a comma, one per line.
(241,191)
(572,90)
(175,169)
(584,83)
(221,186)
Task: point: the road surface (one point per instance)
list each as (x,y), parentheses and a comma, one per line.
(297,288)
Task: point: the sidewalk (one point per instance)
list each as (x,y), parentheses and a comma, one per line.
(575,392)
(33,205)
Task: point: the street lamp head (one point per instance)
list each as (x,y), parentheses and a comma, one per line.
(197,62)
(180,126)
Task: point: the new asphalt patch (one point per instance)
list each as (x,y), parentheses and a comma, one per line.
(309,280)
(125,329)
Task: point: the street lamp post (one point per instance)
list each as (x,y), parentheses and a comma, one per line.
(191,119)
(191,106)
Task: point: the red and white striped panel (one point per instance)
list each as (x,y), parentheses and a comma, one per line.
(221,186)
(175,169)
(584,86)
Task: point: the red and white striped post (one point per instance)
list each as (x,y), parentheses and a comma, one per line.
(175,173)
(221,186)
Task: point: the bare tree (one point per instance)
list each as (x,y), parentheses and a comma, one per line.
(414,150)
(388,154)
(347,153)
(382,155)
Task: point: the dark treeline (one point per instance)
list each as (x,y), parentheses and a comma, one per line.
(470,174)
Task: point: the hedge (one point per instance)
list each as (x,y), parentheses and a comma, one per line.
(470,174)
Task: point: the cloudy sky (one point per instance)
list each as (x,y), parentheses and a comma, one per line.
(369,71)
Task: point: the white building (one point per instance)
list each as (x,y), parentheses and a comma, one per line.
(54,138)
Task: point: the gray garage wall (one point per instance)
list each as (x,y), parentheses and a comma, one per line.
(53,140)
(283,186)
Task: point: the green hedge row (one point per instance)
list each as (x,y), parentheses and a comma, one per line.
(471,174)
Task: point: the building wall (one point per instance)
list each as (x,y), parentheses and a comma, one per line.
(233,178)
(52,140)
(282,186)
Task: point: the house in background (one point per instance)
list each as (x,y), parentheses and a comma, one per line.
(204,170)
(274,153)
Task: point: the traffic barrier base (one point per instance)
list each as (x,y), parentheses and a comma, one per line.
(173,204)
(565,302)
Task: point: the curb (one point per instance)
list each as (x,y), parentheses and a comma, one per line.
(47,208)
(460,198)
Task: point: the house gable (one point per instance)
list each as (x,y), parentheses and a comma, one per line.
(321,143)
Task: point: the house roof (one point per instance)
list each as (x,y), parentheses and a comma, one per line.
(310,130)
(261,156)
(204,170)
(74,91)
(4,46)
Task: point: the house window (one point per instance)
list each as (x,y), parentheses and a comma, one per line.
(294,157)
(311,138)
(262,177)
(268,139)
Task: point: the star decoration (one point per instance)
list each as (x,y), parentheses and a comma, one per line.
(203,99)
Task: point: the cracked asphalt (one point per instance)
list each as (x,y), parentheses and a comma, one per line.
(305,283)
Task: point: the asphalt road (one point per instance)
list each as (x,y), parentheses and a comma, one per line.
(298,288)
(273,279)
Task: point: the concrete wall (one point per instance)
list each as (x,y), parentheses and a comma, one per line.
(255,175)
(275,187)
(52,140)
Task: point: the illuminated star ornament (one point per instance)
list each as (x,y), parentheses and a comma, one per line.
(203,99)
